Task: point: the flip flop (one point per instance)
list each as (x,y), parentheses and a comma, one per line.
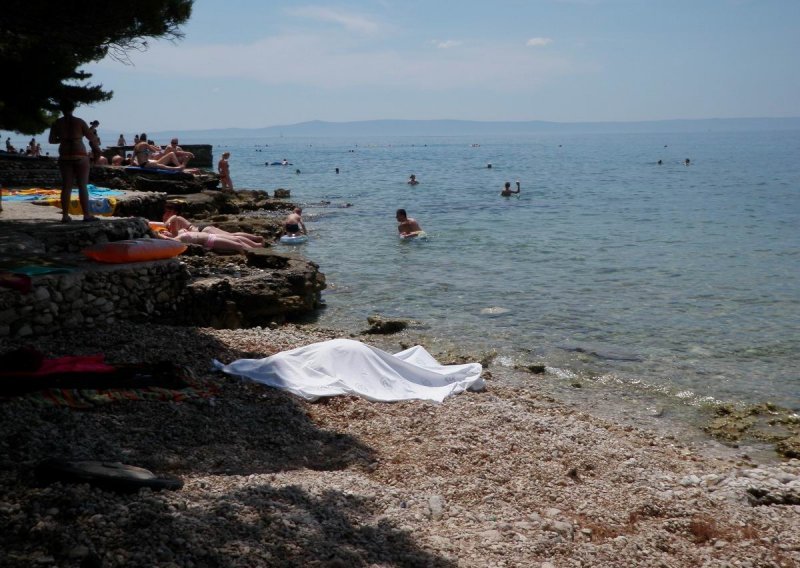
(113,476)
(66,219)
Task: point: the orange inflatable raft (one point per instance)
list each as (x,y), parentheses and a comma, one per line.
(135,250)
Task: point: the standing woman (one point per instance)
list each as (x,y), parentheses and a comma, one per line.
(73,161)
(224,169)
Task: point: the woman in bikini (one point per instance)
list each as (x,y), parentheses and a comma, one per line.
(211,241)
(73,161)
(177,225)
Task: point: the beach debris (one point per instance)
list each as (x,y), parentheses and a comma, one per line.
(435,507)
(112,476)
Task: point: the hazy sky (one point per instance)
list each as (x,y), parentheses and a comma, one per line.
(255,63)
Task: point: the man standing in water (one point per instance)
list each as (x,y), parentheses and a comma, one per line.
(73,161)
(406,226)
(507,192)
(293,224)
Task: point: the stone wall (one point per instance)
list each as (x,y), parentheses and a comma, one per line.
(198,288)
(31,239)
(23,171)
(141,291)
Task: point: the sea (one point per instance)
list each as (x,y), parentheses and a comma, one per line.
(649,286)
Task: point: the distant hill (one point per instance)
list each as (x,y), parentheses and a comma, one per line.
(476,128)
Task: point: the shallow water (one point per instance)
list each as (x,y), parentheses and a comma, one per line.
(677,283)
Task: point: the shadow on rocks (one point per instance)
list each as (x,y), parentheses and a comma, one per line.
(244,429)
(229,513)
(252,525)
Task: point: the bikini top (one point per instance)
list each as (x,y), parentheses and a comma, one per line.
(139,153)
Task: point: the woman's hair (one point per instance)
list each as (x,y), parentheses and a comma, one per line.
(67,106)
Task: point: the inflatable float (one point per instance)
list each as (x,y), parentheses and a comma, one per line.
(134,250)
(293,239)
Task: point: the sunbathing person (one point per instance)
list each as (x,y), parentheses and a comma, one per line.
(182,155)
(144,152)
(218,243)
(176,225)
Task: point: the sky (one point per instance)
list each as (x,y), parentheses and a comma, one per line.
(251,64)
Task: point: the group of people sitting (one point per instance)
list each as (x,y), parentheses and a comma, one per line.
(32,150)
(146,154)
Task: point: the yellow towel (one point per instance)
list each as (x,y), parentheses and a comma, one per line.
(97,206)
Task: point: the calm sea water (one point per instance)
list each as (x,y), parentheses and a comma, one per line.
(681,282)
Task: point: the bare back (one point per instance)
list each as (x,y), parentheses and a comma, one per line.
(68,132)
(408,225)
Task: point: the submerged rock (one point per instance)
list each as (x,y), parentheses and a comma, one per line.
(765,422)
(494,311)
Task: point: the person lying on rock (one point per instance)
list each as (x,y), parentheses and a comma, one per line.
(217,243)
(176,225)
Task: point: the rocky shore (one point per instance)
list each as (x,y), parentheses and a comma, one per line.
(505,477)
(510,476)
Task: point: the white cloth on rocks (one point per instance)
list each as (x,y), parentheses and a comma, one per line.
(345,366)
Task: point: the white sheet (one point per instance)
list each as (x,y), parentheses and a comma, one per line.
(344,366)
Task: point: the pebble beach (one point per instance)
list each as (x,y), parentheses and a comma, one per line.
(505,477)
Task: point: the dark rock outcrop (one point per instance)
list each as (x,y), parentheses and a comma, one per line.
(381,325)
(268,289)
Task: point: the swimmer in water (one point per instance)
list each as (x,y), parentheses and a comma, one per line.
(507,191)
